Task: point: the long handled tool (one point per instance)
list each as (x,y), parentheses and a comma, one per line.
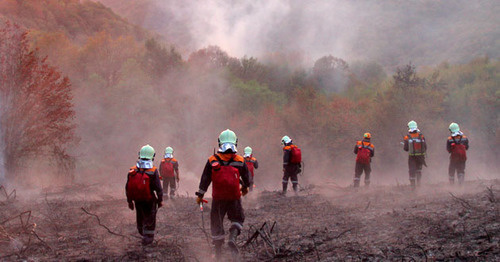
(203,220)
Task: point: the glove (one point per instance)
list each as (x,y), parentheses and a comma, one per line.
(131,205)
(177,179)
(160,204)
(244,191)
(199,200)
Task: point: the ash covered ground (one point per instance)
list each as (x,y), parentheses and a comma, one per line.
(321,223)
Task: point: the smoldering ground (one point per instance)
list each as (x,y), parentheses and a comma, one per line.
(323,223)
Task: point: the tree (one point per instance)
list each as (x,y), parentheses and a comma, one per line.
(406,77)
(36,110)
(211,57)
(158,60)
(330,73)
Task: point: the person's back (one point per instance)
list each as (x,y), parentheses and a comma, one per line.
(169,171)
(364,151)
(291,164)
(144,193)
(252,164)
(457,144)
(225,171)
(415,145)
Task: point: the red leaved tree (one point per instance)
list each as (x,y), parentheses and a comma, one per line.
(36,112)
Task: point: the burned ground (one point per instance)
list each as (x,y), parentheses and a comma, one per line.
(322,223)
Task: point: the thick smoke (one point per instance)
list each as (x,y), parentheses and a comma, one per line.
(390,32)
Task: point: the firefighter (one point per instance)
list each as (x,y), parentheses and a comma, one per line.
(415,145)
(251,163)
(364,151)
(144,192)
(226,170)
(169,172)
(291,163)
(457,144)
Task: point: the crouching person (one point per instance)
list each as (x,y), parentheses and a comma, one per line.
(144,192)
(225,170)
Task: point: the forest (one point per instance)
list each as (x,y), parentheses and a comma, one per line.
(85,85)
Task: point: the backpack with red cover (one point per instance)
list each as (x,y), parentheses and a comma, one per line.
(167,168)
(138,187)
(295,155)
(250,166)
(364,154)
(225,180)
(416,145)
(458,150)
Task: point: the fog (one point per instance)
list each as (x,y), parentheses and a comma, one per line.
(389,32)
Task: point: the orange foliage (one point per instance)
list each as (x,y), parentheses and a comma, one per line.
(36,109)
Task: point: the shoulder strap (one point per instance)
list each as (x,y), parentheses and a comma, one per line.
(222,162)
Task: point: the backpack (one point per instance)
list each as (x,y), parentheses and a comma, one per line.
(416,145)
(364,154)
(167,168)
(295,155)
(138,185)
(458,150)
(250,166)
(225,179)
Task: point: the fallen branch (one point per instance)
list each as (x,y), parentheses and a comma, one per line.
(100,224)
(21,218)
(490,194)
(8,196)
(462,202)
(343,233)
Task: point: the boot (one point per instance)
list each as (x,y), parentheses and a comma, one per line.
(218,249)
(460,177)
(367,183)
(295,187)
(452,180)
(356,183)
(419,177)
(285,186)
(233,234)
(147,239)
(412,183)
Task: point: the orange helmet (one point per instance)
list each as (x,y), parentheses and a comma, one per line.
(367,135)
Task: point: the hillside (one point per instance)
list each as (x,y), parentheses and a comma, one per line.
(77,19)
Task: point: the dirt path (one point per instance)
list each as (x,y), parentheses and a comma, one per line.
(322,223)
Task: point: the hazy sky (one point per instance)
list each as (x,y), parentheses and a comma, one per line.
(386,31)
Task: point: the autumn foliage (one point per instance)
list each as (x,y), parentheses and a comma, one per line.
(36,110)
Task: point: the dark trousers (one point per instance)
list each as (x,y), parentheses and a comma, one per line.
(415,164)
(169,181)
(234,212)
(457,166)
(146,218)
(358,170)
(291,172)
(251,182)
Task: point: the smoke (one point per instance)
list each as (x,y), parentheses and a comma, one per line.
(2,148)
(390,32)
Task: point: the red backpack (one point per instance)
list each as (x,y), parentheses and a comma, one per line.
(225,180)
(167,168)
(458,150)
(250,166)
(364,154)
(295,155)
(138,187)
(416,145)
